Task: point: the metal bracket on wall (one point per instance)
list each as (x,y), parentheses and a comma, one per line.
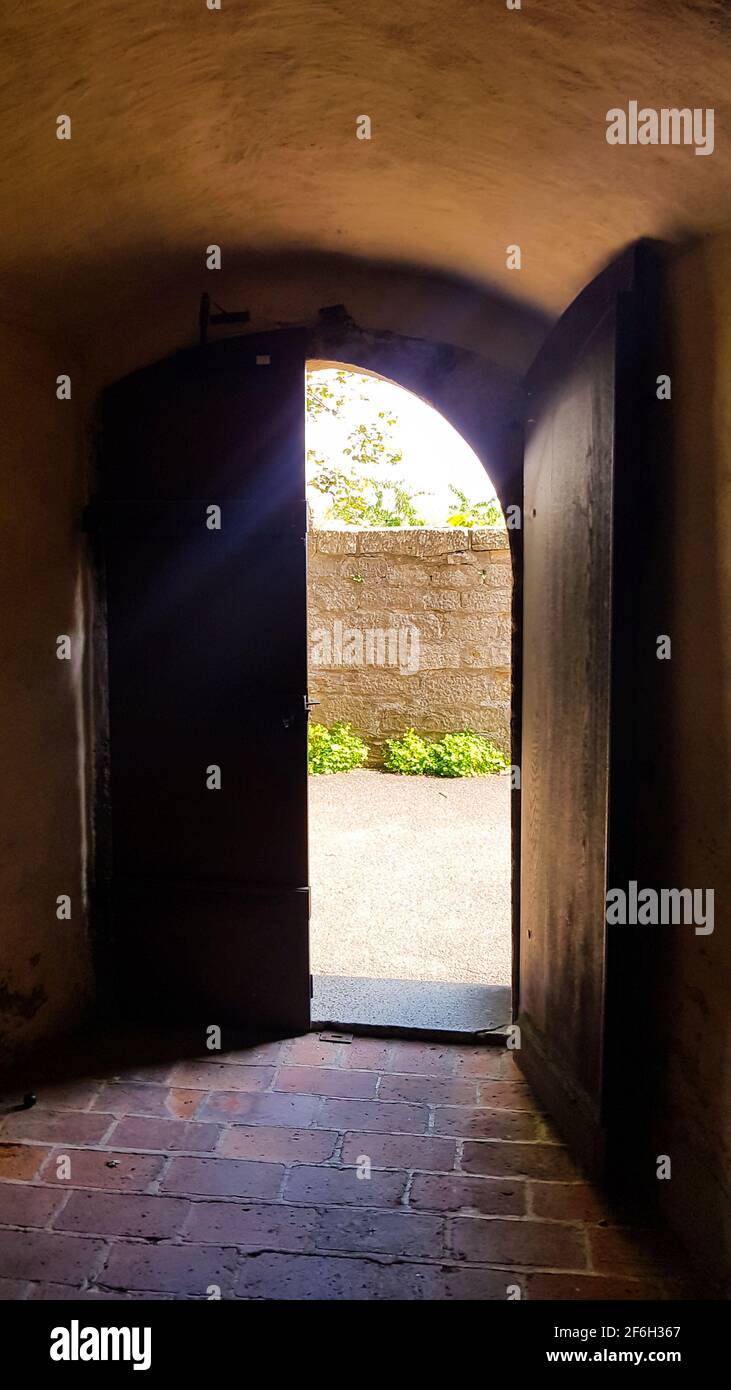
(334,313)
(205,317)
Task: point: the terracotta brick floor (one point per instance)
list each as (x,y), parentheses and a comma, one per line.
(241,1172)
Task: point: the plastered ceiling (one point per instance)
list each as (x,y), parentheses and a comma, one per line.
(192,126)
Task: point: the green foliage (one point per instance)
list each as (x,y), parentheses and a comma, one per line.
(466,513)
(369,445)
(361,501)
(408,754)
(336,749)
(454,755)
(360,492)
(465,755)
(320,399)
(357,497)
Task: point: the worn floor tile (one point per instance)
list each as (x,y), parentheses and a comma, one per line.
(358,1168)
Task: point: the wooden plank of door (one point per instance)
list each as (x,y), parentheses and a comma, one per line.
(575,761)
(207,670)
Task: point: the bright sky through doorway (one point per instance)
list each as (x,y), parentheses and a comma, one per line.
(434,454)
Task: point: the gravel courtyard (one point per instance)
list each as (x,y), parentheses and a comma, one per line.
(410,877)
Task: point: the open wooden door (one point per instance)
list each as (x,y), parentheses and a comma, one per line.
(588,653)
(203,524)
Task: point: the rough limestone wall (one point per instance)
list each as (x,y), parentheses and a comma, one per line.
(452,588)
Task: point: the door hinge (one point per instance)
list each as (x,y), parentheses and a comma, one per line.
(312,986)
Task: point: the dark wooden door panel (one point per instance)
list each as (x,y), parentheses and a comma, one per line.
(579,456)
(207,670)
(568,498)
(173,939)
(224,421)
(203,672)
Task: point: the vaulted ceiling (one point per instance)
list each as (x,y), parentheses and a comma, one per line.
(238,126)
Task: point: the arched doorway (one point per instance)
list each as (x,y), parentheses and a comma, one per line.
(184,922)
(409,597)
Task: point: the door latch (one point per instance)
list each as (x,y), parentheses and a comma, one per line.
(308,704)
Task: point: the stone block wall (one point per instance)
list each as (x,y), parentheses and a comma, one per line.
(411,628)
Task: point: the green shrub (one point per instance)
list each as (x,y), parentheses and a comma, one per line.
(409,754)
(465,755)
(336,749)
(455,755)
(466,513)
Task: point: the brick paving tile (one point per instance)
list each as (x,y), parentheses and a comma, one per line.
(253,1226)
(381,1232)
(164,1136)
(122,1214)
(20,1162)
(369,1054)
(328,1081)
(277,1144)
(56,1095)
(489,1196)
(505,1095)
(266,1054)
(495,1159)
(437,1282)
(310,1051)
(178,1269)
(628,1251)
(428,1090)
(28,1206)
(223,1177)
(343,1185)
(468,1122)
(592,1286)
(381,1116)
(159,1171)
(53,1126)
(401,1151)
(482,1062)
(222,1076)
(483,1241)
(104,1168)
(305,1277)
(421,1059)
(569,1201)
(43,1292)
(148,1099)
(13,1288)
(272,1108)
(64,1259)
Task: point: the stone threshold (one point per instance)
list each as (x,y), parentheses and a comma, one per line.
(420,1007)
